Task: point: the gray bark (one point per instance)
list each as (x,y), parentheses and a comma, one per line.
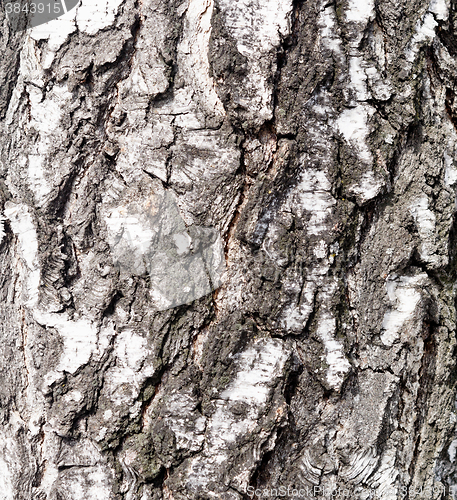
(310,144)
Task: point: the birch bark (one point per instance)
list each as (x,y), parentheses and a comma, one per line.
(228,251)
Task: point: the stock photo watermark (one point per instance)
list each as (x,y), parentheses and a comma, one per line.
(343,492)
(148,237)
(24,14)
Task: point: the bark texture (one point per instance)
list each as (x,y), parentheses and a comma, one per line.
(314,144)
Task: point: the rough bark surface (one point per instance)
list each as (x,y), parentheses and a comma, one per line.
(318,140)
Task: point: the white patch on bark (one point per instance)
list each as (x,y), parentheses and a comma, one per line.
(131,348)
(189,433)
(46,114)
(90,16)
(423,216)
(150,236)
(313,193)
(338,365)
(89,482)
(440,8)
(384,479)
(452,450)
(259,366)
(257,28)
(131,369)
(358,77)
(328,30)
(193,52)
(127,227)
(426,224)
(425,32)
(182,242)
(362,464)
(294,318)
(450,172)
(6,485)
(81,338)
(30,68)
(368,187)
(320,250)
(23,227)
(50,476)
(257,25)
(352,124)
(71,396)
(404,294)
(360,11)
(2,229)
(94,15)
(55,32)
(37,180)
(45,118)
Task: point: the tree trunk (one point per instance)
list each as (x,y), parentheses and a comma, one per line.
(228,252)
